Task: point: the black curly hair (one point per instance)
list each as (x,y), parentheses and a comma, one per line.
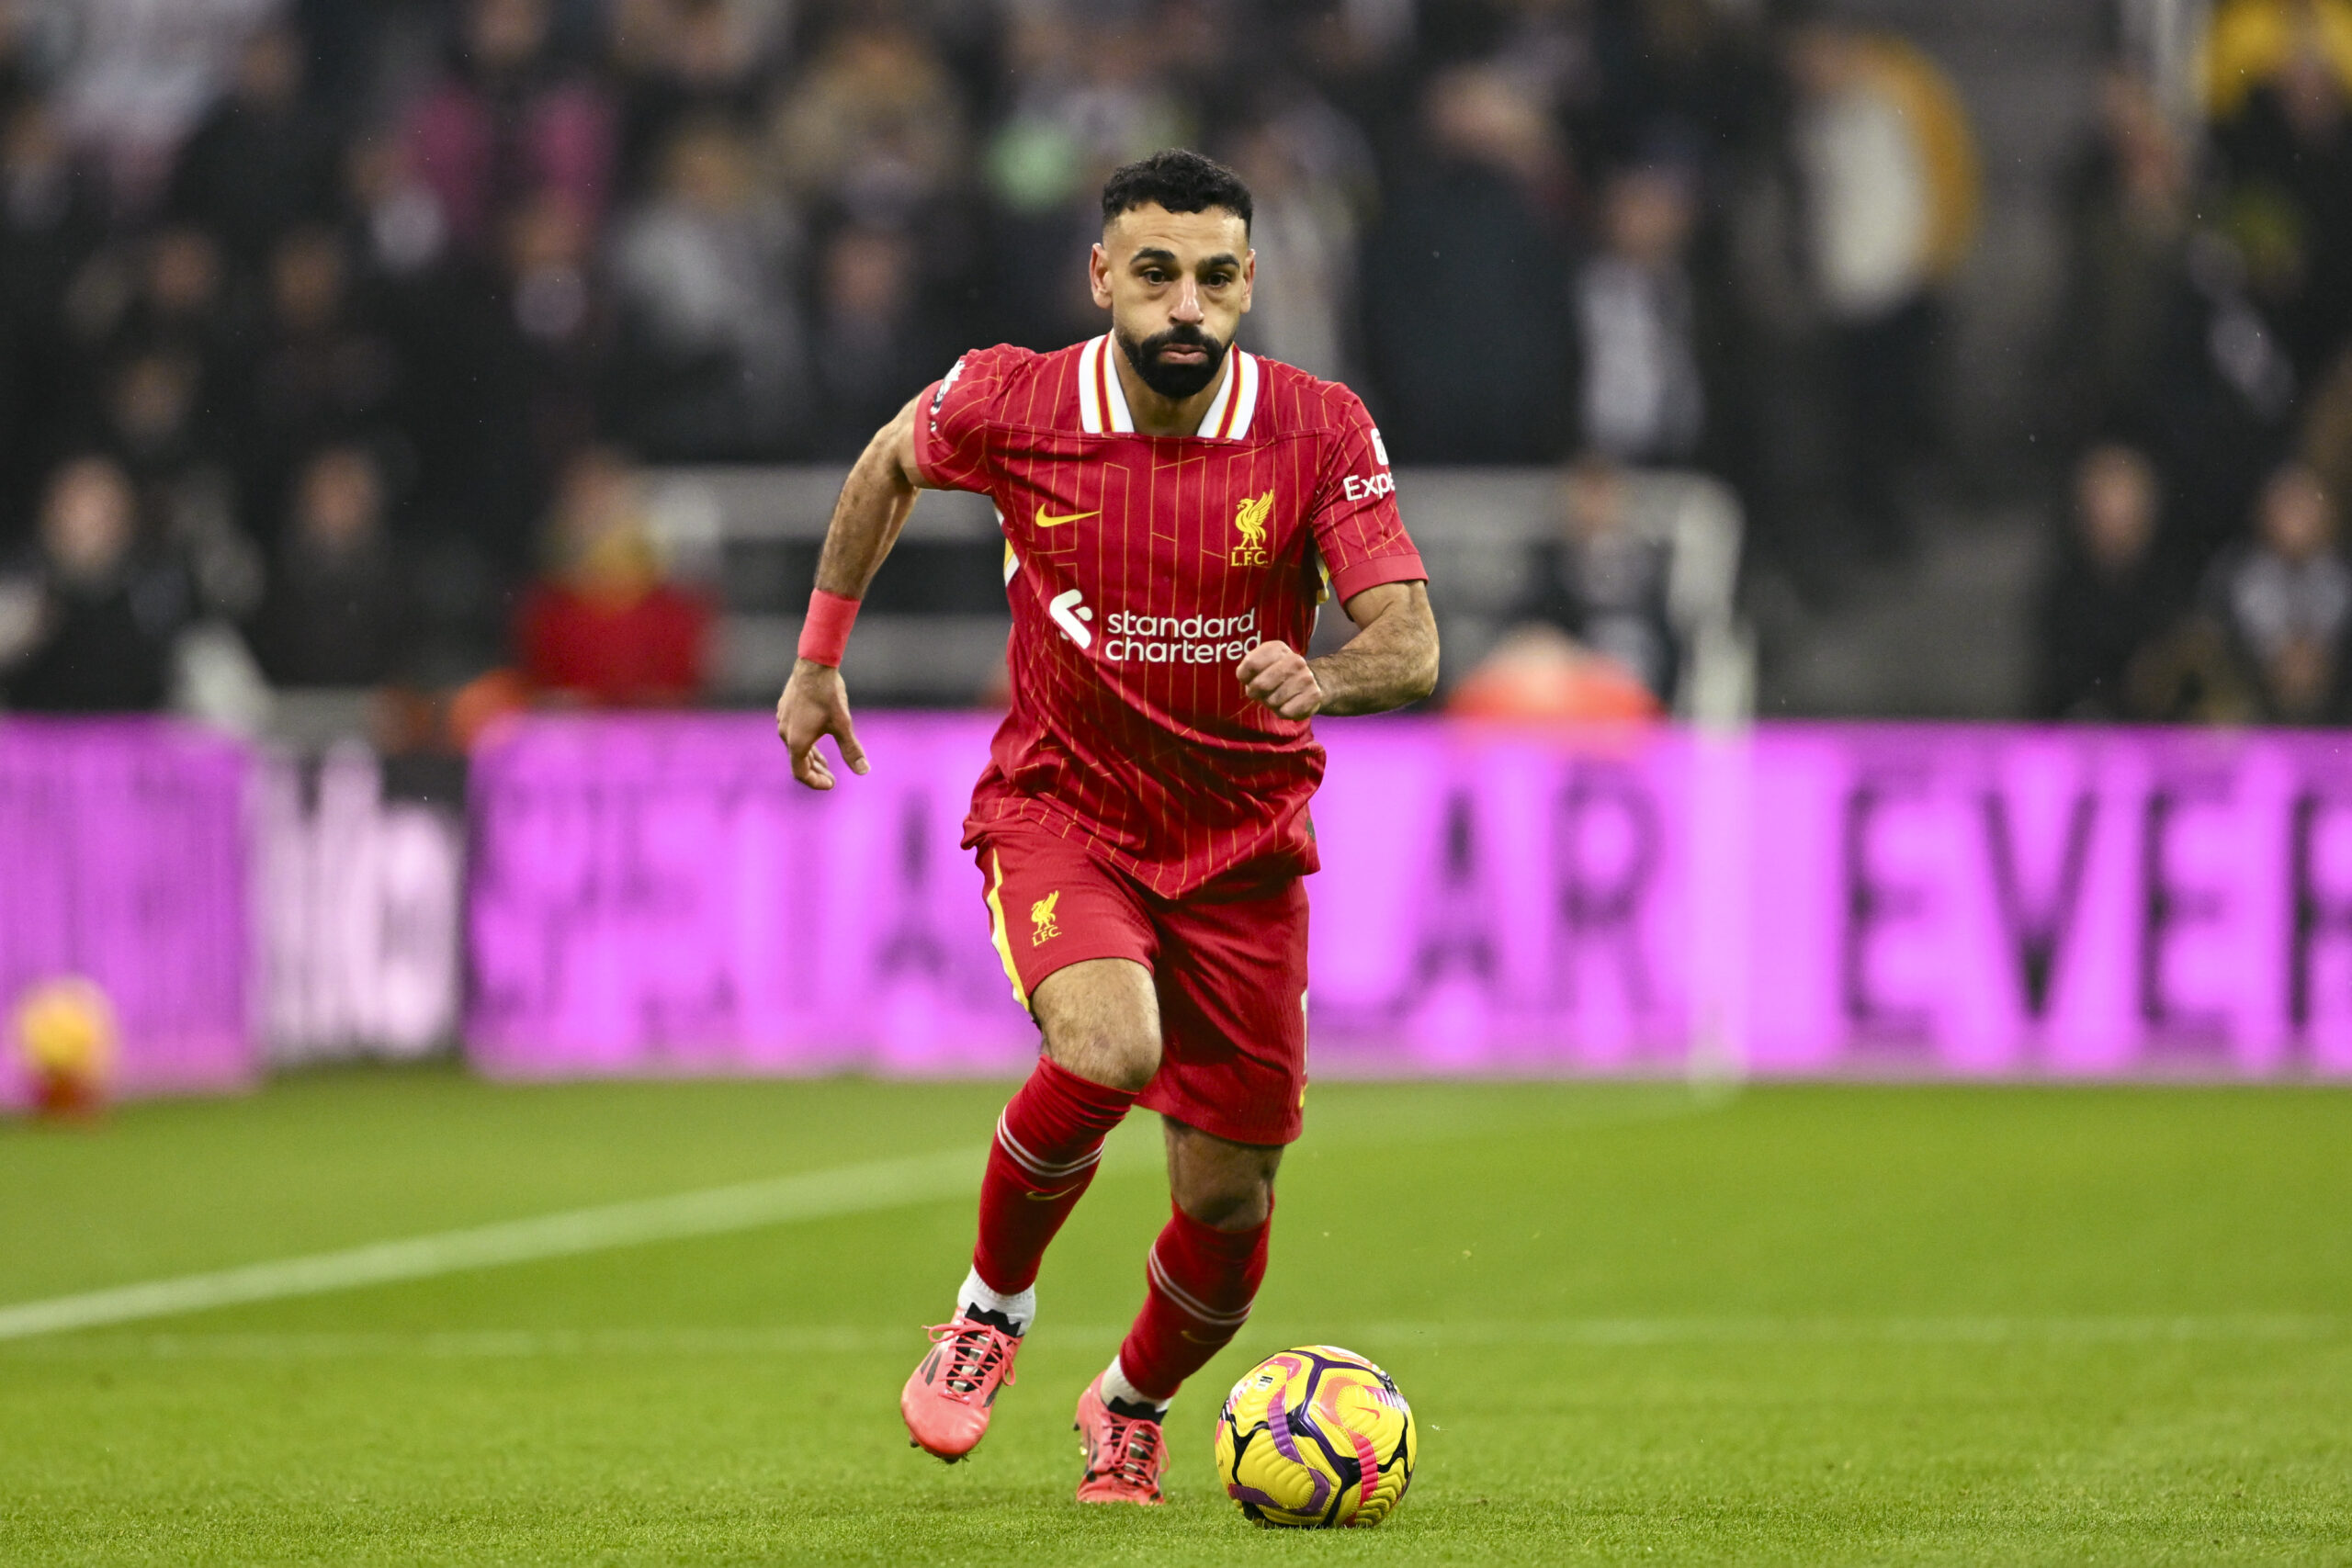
(1179,181)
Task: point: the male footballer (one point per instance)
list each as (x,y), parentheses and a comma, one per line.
(1174,509)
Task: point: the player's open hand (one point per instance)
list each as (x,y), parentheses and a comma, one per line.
(1277,674)
(815,703)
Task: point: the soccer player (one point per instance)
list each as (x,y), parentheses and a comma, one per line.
(1174,509)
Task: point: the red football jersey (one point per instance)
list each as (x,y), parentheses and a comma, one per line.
(1141,570)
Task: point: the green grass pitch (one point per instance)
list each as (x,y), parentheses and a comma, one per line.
(1795,1324)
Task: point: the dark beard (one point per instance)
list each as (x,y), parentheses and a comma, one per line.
(1174,382)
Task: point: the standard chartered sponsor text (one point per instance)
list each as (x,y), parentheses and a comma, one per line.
(1130,638)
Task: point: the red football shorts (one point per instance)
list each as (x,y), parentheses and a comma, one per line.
(1231,975)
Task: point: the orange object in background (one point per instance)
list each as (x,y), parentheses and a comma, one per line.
(483,702)
(66,1034)
(1541,674)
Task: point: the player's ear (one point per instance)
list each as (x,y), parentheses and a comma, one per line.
(1098,274)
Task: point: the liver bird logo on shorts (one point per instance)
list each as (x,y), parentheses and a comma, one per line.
(1250,522)
(1041,919)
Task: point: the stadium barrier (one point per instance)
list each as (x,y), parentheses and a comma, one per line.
(124,861)
(651,894)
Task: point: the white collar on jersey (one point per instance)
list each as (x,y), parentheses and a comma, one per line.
(1102,402)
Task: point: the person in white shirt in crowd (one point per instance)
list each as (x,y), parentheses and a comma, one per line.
(1887,178)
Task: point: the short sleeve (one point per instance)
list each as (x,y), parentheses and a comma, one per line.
(1357,526)
(952,419)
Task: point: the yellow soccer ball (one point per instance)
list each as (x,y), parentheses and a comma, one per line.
(1314,1438)
(65,1029)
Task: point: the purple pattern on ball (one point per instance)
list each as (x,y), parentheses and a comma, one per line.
(1286,1445)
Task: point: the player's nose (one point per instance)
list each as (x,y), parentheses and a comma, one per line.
(1188,302)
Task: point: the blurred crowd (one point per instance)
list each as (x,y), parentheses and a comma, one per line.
(335,331)
(2200,383)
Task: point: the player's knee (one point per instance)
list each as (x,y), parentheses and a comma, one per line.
(1228,1200)
(1101,1021)
(1112,1056)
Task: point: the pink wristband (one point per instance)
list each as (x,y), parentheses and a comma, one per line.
(824,635)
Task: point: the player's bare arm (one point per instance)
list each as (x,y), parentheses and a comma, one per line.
(1390,661)
(875,503)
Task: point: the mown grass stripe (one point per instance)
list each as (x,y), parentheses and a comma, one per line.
(1588,1333)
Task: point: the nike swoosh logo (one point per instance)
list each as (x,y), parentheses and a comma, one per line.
(1048,520)
(1049,1197)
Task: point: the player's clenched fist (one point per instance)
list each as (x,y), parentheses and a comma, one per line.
(815,702)
(1277,674)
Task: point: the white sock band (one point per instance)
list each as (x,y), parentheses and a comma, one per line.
(1021,1310)
(1116,1386)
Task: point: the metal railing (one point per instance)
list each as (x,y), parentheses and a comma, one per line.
(751,533)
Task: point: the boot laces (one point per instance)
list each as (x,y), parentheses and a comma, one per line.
(1133,1445)
(974,1350)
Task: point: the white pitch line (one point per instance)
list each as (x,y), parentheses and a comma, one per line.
(820,1194)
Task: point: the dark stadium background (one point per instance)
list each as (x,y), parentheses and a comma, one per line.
(473,276)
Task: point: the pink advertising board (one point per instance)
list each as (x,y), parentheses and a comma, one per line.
(123,859)
(655,895)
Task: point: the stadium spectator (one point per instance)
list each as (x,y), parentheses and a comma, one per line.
(141,74)
(187,496)
(51,222)
(519,376)
(875,129)
(2108,601)
(2249,44)
(1643,397)
(176,299)
(319,373)
(603,629)
(2328,428)
(264,160)
(872,342)
(1603,581)
(506,125)
(1310,173)
(1886,170)
(1463,282)
(2225,401)
(403,236)
(109,609)
(2284,601)
(1689,69)
(2127,205)
(2288,156)
(713,352)
(1092,96)
(676,60)
(337,611)
(50,215)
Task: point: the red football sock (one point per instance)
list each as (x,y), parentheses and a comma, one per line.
(1203,1281)
(1047,1143)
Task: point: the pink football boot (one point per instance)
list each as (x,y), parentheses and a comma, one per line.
(1125,1455)
(947,1400)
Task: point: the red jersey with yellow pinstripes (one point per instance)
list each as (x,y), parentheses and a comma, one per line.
(1141,570)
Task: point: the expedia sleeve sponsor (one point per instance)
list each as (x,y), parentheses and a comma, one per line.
(1171,639)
